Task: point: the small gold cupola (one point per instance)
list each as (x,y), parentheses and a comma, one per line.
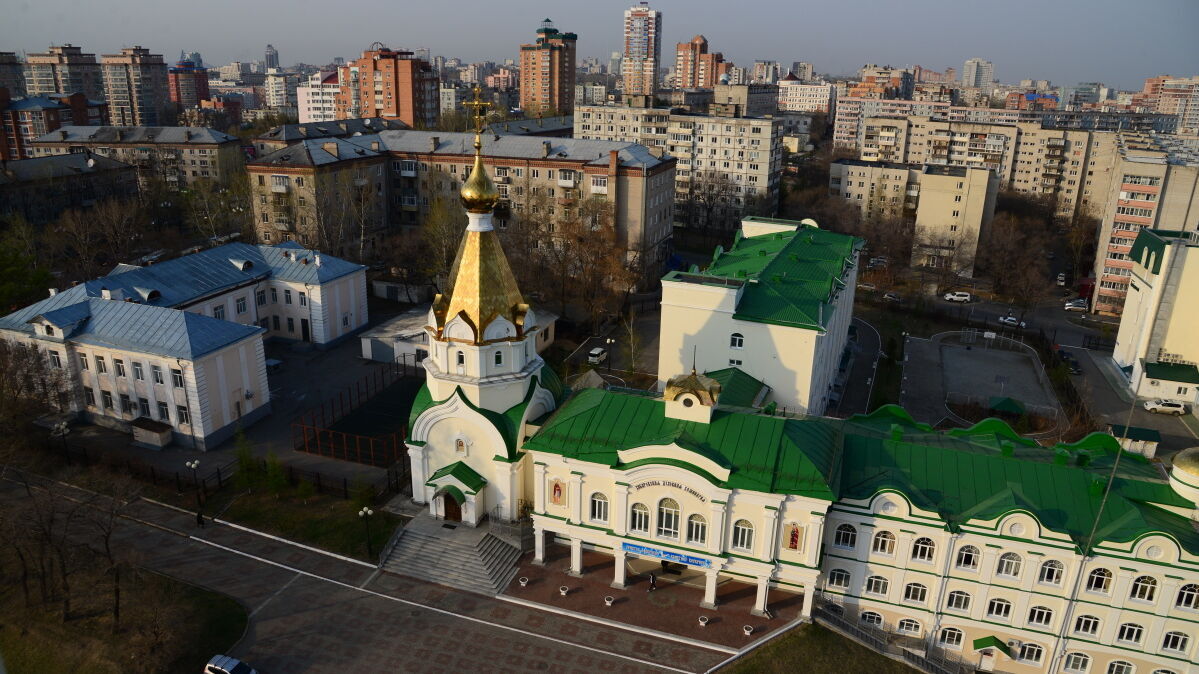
(691,397)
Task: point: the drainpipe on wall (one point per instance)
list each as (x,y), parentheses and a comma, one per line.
(187,401)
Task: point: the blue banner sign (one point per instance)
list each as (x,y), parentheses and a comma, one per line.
(667,555)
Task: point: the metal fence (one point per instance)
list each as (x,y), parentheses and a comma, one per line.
(372,451)
(917,652)
(350,398)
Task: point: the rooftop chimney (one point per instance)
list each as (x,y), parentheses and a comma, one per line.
(433,143)
(545,148)
(316,258)
(53,292)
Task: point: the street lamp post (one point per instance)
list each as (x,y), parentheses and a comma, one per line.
(365,514)
(61,429)
(194,464)
(609,342)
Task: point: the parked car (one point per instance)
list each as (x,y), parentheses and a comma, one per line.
(1160,406)
(869,287)
(223,664)
(1061,279)
(1076,305)
(892,297)
(597,355)
(879,262)
(1012,322)
(957,296)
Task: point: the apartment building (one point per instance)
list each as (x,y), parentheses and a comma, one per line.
(796,95)
(317,101)
(806,72)
(179,156)
(25,119)
(187,83)
(12,74)
(642,50)
(39,190)
(290,134)
(1156,346)
(1154,185)
(64,69)
(951,205)
(1180,96)
(725,164)
(279,89)
(697,68)
(978,73)
(389,83)
(136,89)
(744,100)
(547,71)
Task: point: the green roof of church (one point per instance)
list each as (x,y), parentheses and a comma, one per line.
(737,388)
(977,473)
(462,472)
(789,278)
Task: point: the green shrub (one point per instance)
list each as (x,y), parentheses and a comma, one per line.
(276,478)
(305,491)
(249,468)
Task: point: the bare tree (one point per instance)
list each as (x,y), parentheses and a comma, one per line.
(442,234)
(121,225)
(75,239)
(104,516)
(29,387)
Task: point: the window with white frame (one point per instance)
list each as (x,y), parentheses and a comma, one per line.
(1130,633)
(884,543)
(55,360)
(697,529)
(1077,663)
(1039,615)
(668,518)
(118,366)
(908,626)
(1175,641)
(743,535)
(951,637)
(639,518)
(1086,624)
(845,536)
(156,371)
(877,585)
(1009,565)
(1120,667)
(1051,572)
(737,340)
(599,508)
(1144,588)
(101,368)
(1099,580)
(923,549)
(915,592)
(871,618)
(1188,596)
(1031,653)
(967,557)
(999,608)
(958,601)
(176,377)
(838,578)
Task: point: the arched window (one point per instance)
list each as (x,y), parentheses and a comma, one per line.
(1100,580)
(599,507)
(737,340)
(845,536)
(951,637)
(668,518)
(1009,565)
(871,618)
(877,585)
(838,578)
(884,543)
(923,549)
(1144,588)
(915,592)
(743,535)
(967,557)
(909,626)
(639,518)
(499,358)
(1087,624)
(697,529)
(1120,667)
(461,358)
(1077,663)
(1051,572)
(1176,641)
(1031,653)
(1039,615)
(958,600)
(1188,597)
(999,608)
(1130,633)
(1163,671)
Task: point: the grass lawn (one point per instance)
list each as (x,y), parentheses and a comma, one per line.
(318,520)
(813,649)
(198,624)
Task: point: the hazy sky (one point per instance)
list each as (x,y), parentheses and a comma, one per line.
(1119,42)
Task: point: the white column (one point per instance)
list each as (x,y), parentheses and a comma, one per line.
(809,597)
(538,544)
(512,498)
(770,530)
(620,510)
(576,557)
(539,487)
(618,576)
(812,538)
(709,588)
(416,464)
(717,534)
(576,490)
(763,592)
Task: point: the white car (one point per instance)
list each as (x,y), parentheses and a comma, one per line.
(957,296)
(1012,322)
(1076,305)
(1160,406)
(597,355)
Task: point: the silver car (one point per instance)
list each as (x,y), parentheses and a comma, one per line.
(224,664)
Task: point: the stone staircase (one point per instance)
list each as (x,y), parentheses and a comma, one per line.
(472,560)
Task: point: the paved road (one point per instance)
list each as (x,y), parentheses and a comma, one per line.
(859,383)
(312,612)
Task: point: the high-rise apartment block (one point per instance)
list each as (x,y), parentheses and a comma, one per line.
(804,71)
(547,72)
(766,72)
(695,67)
(978,73)
(279,89)
(1180,96)
(187,83)
(12,75)
(1154,185)
(389,83)
(270,58)
(317,102)
(135,88)
(798,96)
(642,50)
(64,69)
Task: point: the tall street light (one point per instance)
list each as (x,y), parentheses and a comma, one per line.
(194,464)
(609,342)
(365,514)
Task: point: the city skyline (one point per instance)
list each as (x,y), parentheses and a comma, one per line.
(932,33)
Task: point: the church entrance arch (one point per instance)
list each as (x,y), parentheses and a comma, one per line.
(450,508)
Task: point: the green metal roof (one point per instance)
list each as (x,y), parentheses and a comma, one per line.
(737,389)
(789,278)
(461,472)
(1005,404)
(1135,433)
(1186,374)
(507,423)
(991,642)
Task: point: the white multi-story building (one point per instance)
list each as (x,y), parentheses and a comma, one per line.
(181,342)
(280,89)
(797,96)
(316,101)
(978,73)
(1157,345)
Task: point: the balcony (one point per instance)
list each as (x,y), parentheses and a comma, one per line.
(502,180)
(1056,142)
(361,182)
(280,188)
(567,182)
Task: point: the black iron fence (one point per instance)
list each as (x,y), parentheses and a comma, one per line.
(883,637)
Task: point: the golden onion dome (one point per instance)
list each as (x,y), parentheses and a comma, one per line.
(478,193)
(1187,461)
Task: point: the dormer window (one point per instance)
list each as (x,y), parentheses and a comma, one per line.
(50,330)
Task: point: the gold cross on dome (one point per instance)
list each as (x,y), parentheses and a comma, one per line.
(478,109)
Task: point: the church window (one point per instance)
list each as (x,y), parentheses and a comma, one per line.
(697,529)
(743,535)
(846,536)
(1100,580)
(461,358)
(923,549)
(884,543)
(668,518)
(599,507)
(1009,565)
(499,358)
(639,520)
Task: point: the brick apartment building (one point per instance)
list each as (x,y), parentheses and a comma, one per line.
(388,83)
